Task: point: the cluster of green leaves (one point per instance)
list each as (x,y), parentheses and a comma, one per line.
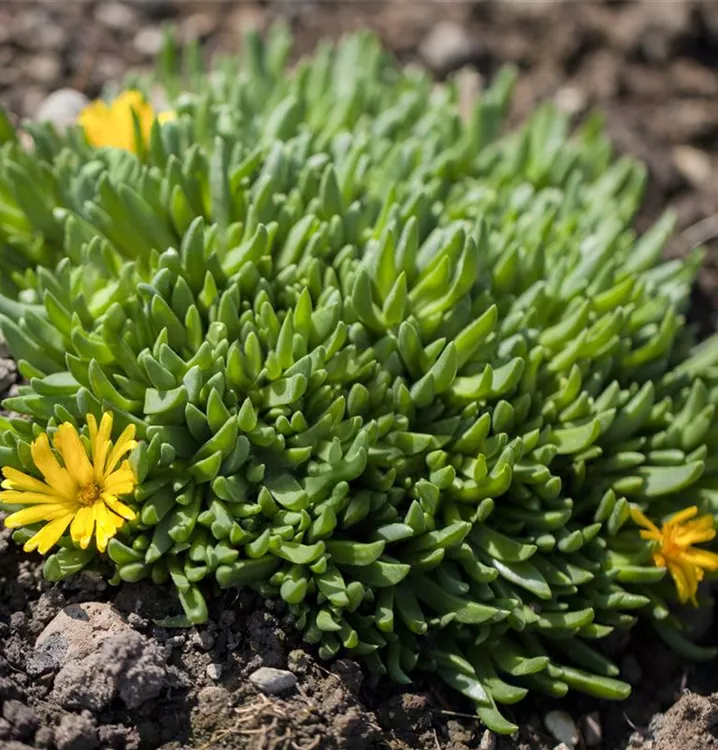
(403,372)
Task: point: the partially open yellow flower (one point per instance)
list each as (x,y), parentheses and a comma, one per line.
(675,538)
(112,125)
(82,494)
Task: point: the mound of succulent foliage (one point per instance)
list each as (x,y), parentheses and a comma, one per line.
(397,368)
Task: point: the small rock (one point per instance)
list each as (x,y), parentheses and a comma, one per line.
(148,40)
(21,717)
(202,639)
(136,621)
(44,738)
(298,661)
(488,741)
(561,746)
(271,680)
(562,727)
(108,67)
(214,671)
(100,657)
(448,46)
(8,374)
(591,731)
(76,733)
(571,100)
(695,165)
(62,107)
(198,26)
(43,68)
(116,16)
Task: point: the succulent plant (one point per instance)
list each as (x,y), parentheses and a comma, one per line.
(407,373)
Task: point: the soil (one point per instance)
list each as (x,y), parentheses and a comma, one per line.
(651,67)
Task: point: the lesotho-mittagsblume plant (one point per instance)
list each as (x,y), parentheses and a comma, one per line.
(317,335)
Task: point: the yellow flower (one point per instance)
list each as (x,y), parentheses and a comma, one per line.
(81,494)
(675,538)
(112,125)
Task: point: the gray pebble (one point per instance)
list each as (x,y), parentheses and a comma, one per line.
(271,680)
(214,671)
(562,727)
(148,40)
(447,47)
(116,16)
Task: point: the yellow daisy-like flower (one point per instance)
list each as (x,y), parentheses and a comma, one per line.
(685,563)
(112,125)
(82,494)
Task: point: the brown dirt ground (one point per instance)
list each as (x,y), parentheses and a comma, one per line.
(652,68)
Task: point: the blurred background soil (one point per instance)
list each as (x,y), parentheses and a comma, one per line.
(652,68)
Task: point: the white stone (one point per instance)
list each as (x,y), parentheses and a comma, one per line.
(62,107)
(148,40)
(447,46)
(115,15)
(488,741)
(214,671)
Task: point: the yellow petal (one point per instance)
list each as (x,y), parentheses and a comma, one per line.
(48,535)
(68,443)
(83,524)
(57,477)
(107,525)
(701,558)
(682,515)
(94,121)
(121,112)
(686,585)
(642,519)
(101,446)
(125,443)
(120,482)
(92,428)
(168,116)
(653,536)
(20,497)
(695,532)
(120,508)
(18,480)
(35,514)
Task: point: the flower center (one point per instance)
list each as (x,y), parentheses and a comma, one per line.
(669,547)
(88,495)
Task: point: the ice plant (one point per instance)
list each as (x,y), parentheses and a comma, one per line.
(82,493)
(675,551)
(404,372)
(113,124)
